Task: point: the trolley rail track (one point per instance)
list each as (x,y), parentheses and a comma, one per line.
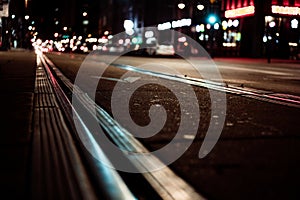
(60,169)
(76,163)
(165,184)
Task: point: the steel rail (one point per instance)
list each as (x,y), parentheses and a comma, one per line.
(106,182)
(261,95)
(166,183)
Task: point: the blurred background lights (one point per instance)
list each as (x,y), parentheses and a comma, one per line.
(229,24)
(181,5)
(294,23)
(212,19)
(200,7)
(121,41)
(235,23)
(130,32)
(224,25)
(269,18)
(216,26)
(201,37)
(149,34)
(182,39)
(200,28)
(272,24)
(128,24)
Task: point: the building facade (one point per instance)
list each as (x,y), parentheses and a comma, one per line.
(247,28)
(255,28)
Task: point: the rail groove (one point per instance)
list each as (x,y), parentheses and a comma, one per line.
(60,169)
(166,183)
(261,95)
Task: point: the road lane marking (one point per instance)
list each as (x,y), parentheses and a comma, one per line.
(256,70)
(245,92)
(125,80)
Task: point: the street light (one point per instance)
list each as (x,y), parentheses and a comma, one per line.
(200,7)
(181,5)
(128,24)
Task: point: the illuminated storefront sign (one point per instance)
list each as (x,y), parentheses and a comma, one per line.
(164,26)
(175,24)
(181,23)
(239,12)
(286,10)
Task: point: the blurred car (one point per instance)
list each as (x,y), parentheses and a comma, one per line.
(111,48)
(80,48)
(164,49)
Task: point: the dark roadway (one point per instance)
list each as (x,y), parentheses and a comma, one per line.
(256,157)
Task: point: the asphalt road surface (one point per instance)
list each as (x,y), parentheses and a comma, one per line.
(257,155)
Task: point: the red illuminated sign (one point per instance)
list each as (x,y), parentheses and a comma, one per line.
(285,10)
(235,4)
(239,12)
(296,3)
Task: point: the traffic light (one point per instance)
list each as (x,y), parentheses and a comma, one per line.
(212,19)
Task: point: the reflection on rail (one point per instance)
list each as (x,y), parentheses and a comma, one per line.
(165,182)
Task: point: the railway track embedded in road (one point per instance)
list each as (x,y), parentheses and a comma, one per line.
(67,151)
(262,95)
